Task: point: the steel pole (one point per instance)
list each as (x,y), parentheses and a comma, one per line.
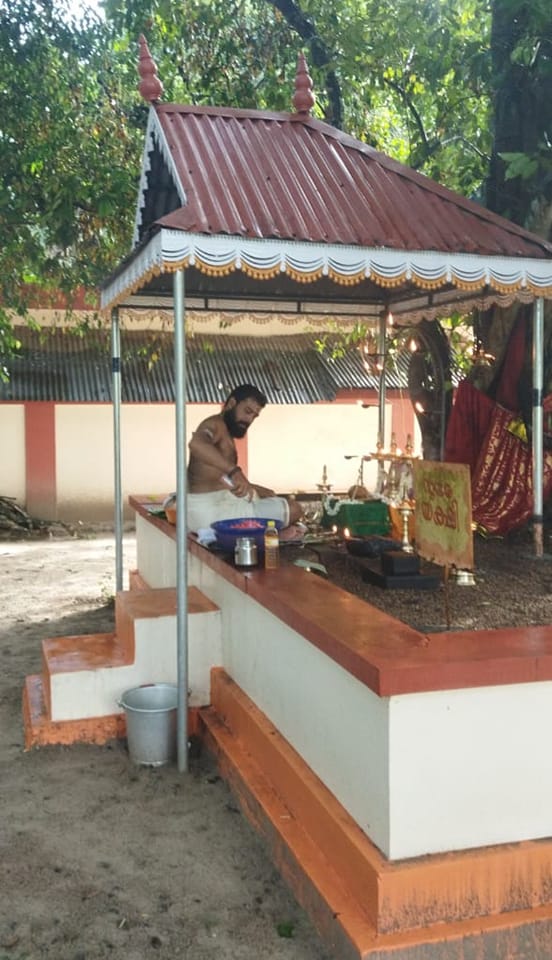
(382,337)
(116,398)
(181,531)
(538,460)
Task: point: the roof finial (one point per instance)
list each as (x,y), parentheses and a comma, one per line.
(150,85)
(303,98)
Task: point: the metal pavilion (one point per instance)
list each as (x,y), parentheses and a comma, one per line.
(253,210)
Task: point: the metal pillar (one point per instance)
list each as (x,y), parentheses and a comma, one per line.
(382,344)
(382,357)
(116,391)
(181,531)
(537,424)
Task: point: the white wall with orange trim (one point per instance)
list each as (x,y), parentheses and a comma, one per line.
(12,460)
(302,440)
(286,449)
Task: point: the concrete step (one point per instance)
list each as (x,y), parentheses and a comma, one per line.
(40,731)
(83,677)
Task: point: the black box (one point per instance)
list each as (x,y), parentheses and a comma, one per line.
(395,562)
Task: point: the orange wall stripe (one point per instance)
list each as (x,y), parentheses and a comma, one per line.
(241,447)
(40,454)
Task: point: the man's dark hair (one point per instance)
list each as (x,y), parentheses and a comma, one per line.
(246,391)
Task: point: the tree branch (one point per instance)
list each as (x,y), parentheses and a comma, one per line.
(417,118)
(321,56)
(469,144)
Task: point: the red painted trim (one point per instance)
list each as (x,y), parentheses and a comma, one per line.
(40,459)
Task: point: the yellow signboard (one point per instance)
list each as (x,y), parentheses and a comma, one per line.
(443,515)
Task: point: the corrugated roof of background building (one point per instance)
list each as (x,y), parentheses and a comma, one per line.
(58,365)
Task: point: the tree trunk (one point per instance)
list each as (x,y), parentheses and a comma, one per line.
(429,384)
(522,120)
(522,115)
(320,54)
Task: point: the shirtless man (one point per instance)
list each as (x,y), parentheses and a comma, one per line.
(218,489)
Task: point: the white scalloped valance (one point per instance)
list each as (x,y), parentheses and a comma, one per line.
(225,319)
(170,250)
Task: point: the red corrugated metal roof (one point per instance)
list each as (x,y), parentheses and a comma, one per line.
(256,174)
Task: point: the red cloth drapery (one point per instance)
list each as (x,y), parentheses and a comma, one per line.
(501,463)
(469,422)
(502,482)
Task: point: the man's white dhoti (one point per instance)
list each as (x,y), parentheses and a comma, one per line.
(204,508)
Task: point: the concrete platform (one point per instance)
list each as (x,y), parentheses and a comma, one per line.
(475,905)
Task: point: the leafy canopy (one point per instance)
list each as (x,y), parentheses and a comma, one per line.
(414,78)
(70,143)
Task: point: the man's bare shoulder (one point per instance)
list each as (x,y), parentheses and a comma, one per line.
(212,428)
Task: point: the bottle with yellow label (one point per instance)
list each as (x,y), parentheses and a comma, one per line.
(271,546)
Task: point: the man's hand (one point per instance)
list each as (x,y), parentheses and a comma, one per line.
(263,491)
(242,487)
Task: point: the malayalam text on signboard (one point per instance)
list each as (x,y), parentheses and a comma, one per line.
(443,516)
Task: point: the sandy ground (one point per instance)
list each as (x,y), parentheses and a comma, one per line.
(101,858)
(98,857)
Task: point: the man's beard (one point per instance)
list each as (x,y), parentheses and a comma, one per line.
(236,428)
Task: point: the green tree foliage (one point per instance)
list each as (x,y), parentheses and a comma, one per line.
(413,75)
(519,184)
(70,146)
(216,52)
(409,76)
(520,174)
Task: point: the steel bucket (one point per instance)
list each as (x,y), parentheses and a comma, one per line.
(151,723)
